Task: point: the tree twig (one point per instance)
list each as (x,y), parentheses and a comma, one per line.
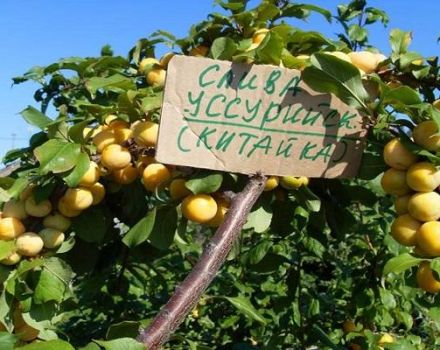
(8,170)
(188,293)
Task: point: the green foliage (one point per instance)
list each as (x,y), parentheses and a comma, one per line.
(332,75)
(204,182)
(354,18)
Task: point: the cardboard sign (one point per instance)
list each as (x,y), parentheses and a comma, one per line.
(255,118)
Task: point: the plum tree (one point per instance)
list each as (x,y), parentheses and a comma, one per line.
(96,234)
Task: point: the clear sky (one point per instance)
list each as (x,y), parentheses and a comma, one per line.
(38,32)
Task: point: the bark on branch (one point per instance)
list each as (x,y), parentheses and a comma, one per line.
(188,293)
(9,169)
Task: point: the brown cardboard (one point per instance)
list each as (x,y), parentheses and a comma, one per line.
(217,120)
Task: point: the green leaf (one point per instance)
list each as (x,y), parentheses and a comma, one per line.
(421,73)
(140,232)
(53,280)
(59,268)
(73,177)
(125,329)
(204,182)
(434,313)
(58,130)
(121,344)
(36,73)
(405,318)
(151,102)
(314,246)
(290,61)
(49,288)
(270,49)
(48,345)
(57,156)
(402,95)
(405,60)
(301,11)
(42,326)
(223,48)
(245,306)
(66,246)
(435,266)
(332,75)
(357,33)
(5,300)
(7,341)
(270,263)
(237,6)
(260,218)
(93,108)
(19,185)
(6,182)
(75,132)
(362,195)
(106,63)
(14,154)
(164,229)
(388,299)
(307,199)
(371,166)
(27,265)
(324,338)
(374,15)
(4,196)
(310,40)
(267,11)
(400,41)
(91,346)
(34,117)
(81,225)
(327,14)
(116,82)
(6,248)
(257,253)
(70,63)
(435,115)
(416,149)
(400,263)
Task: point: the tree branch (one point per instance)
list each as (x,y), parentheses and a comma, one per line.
(8,170)
(188,293)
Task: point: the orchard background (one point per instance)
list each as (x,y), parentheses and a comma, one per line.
(96,235)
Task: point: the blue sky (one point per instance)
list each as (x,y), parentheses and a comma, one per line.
(38,32)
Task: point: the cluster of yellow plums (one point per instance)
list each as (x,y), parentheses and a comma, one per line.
(21,217)
(50,218)
(122,166)
(118,164)
(415,183)
(287,182)
(112,141)
(206,209)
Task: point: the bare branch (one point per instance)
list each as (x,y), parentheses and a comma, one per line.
(9,169)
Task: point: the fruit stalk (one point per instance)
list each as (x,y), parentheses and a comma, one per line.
(188,293)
